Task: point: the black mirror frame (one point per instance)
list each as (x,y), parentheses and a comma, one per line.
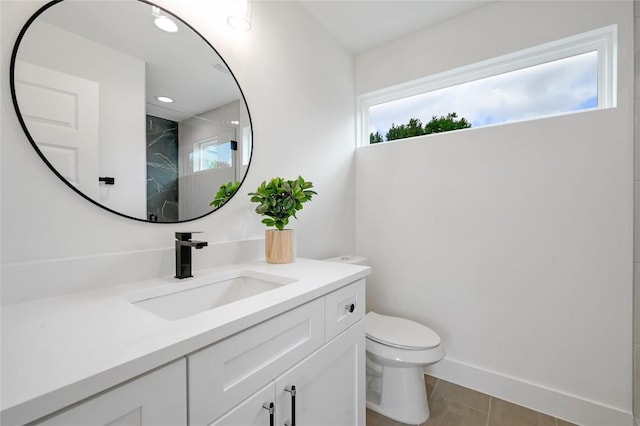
(14,99)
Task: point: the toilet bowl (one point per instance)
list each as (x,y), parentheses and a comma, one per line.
(397,351)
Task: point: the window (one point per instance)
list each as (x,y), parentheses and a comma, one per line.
(569,75)
(209,154)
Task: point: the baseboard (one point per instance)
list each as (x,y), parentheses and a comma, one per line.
(26,281)
(552,402)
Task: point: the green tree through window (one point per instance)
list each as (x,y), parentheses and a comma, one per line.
(375,137)
(415,128)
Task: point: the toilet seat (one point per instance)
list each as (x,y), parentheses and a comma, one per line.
(399,332)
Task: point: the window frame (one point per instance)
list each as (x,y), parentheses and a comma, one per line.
(603,40)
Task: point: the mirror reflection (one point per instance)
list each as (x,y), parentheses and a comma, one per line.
(131,108)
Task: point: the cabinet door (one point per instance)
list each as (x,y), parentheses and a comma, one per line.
(252,411)
(329,384)
(157,398)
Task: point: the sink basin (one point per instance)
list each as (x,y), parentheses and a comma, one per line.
(184,300)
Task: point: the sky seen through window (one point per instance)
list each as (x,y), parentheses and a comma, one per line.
(560,86)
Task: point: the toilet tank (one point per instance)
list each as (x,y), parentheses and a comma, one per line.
(350,258)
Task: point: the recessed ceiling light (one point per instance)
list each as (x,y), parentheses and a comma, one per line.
(166,24)
(162,21)
(164,99)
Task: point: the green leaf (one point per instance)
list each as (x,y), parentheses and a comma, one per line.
(280,199)
(268,221)
(225,192)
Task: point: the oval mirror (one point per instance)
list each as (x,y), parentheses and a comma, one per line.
(130,107)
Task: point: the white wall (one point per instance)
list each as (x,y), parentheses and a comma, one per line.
(121,80)
(299,88)
(513,242)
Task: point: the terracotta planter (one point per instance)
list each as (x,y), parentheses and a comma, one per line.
(280,246)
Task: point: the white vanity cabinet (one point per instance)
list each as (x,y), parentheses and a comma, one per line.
(313,354)
(155,399)
(217,367)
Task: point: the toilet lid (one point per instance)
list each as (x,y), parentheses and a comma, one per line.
(399,332)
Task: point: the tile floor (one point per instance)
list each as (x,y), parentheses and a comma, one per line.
(453,405)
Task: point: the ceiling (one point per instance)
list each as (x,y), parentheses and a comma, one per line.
(360,25)
(179,65)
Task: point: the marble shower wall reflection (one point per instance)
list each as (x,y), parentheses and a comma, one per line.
(162,169)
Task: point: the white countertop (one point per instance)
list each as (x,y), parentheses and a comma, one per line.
(60,350)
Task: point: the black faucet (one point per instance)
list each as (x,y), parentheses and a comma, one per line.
(183,253)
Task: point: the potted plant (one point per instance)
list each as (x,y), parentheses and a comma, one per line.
(279,200)
(226,191)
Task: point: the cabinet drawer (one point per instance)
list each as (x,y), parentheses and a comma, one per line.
(226,373)
(343,308)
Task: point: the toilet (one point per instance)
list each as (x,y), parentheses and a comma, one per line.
(397,351)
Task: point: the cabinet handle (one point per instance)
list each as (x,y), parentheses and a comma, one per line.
(350,307)
(269,406)
(292,391)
